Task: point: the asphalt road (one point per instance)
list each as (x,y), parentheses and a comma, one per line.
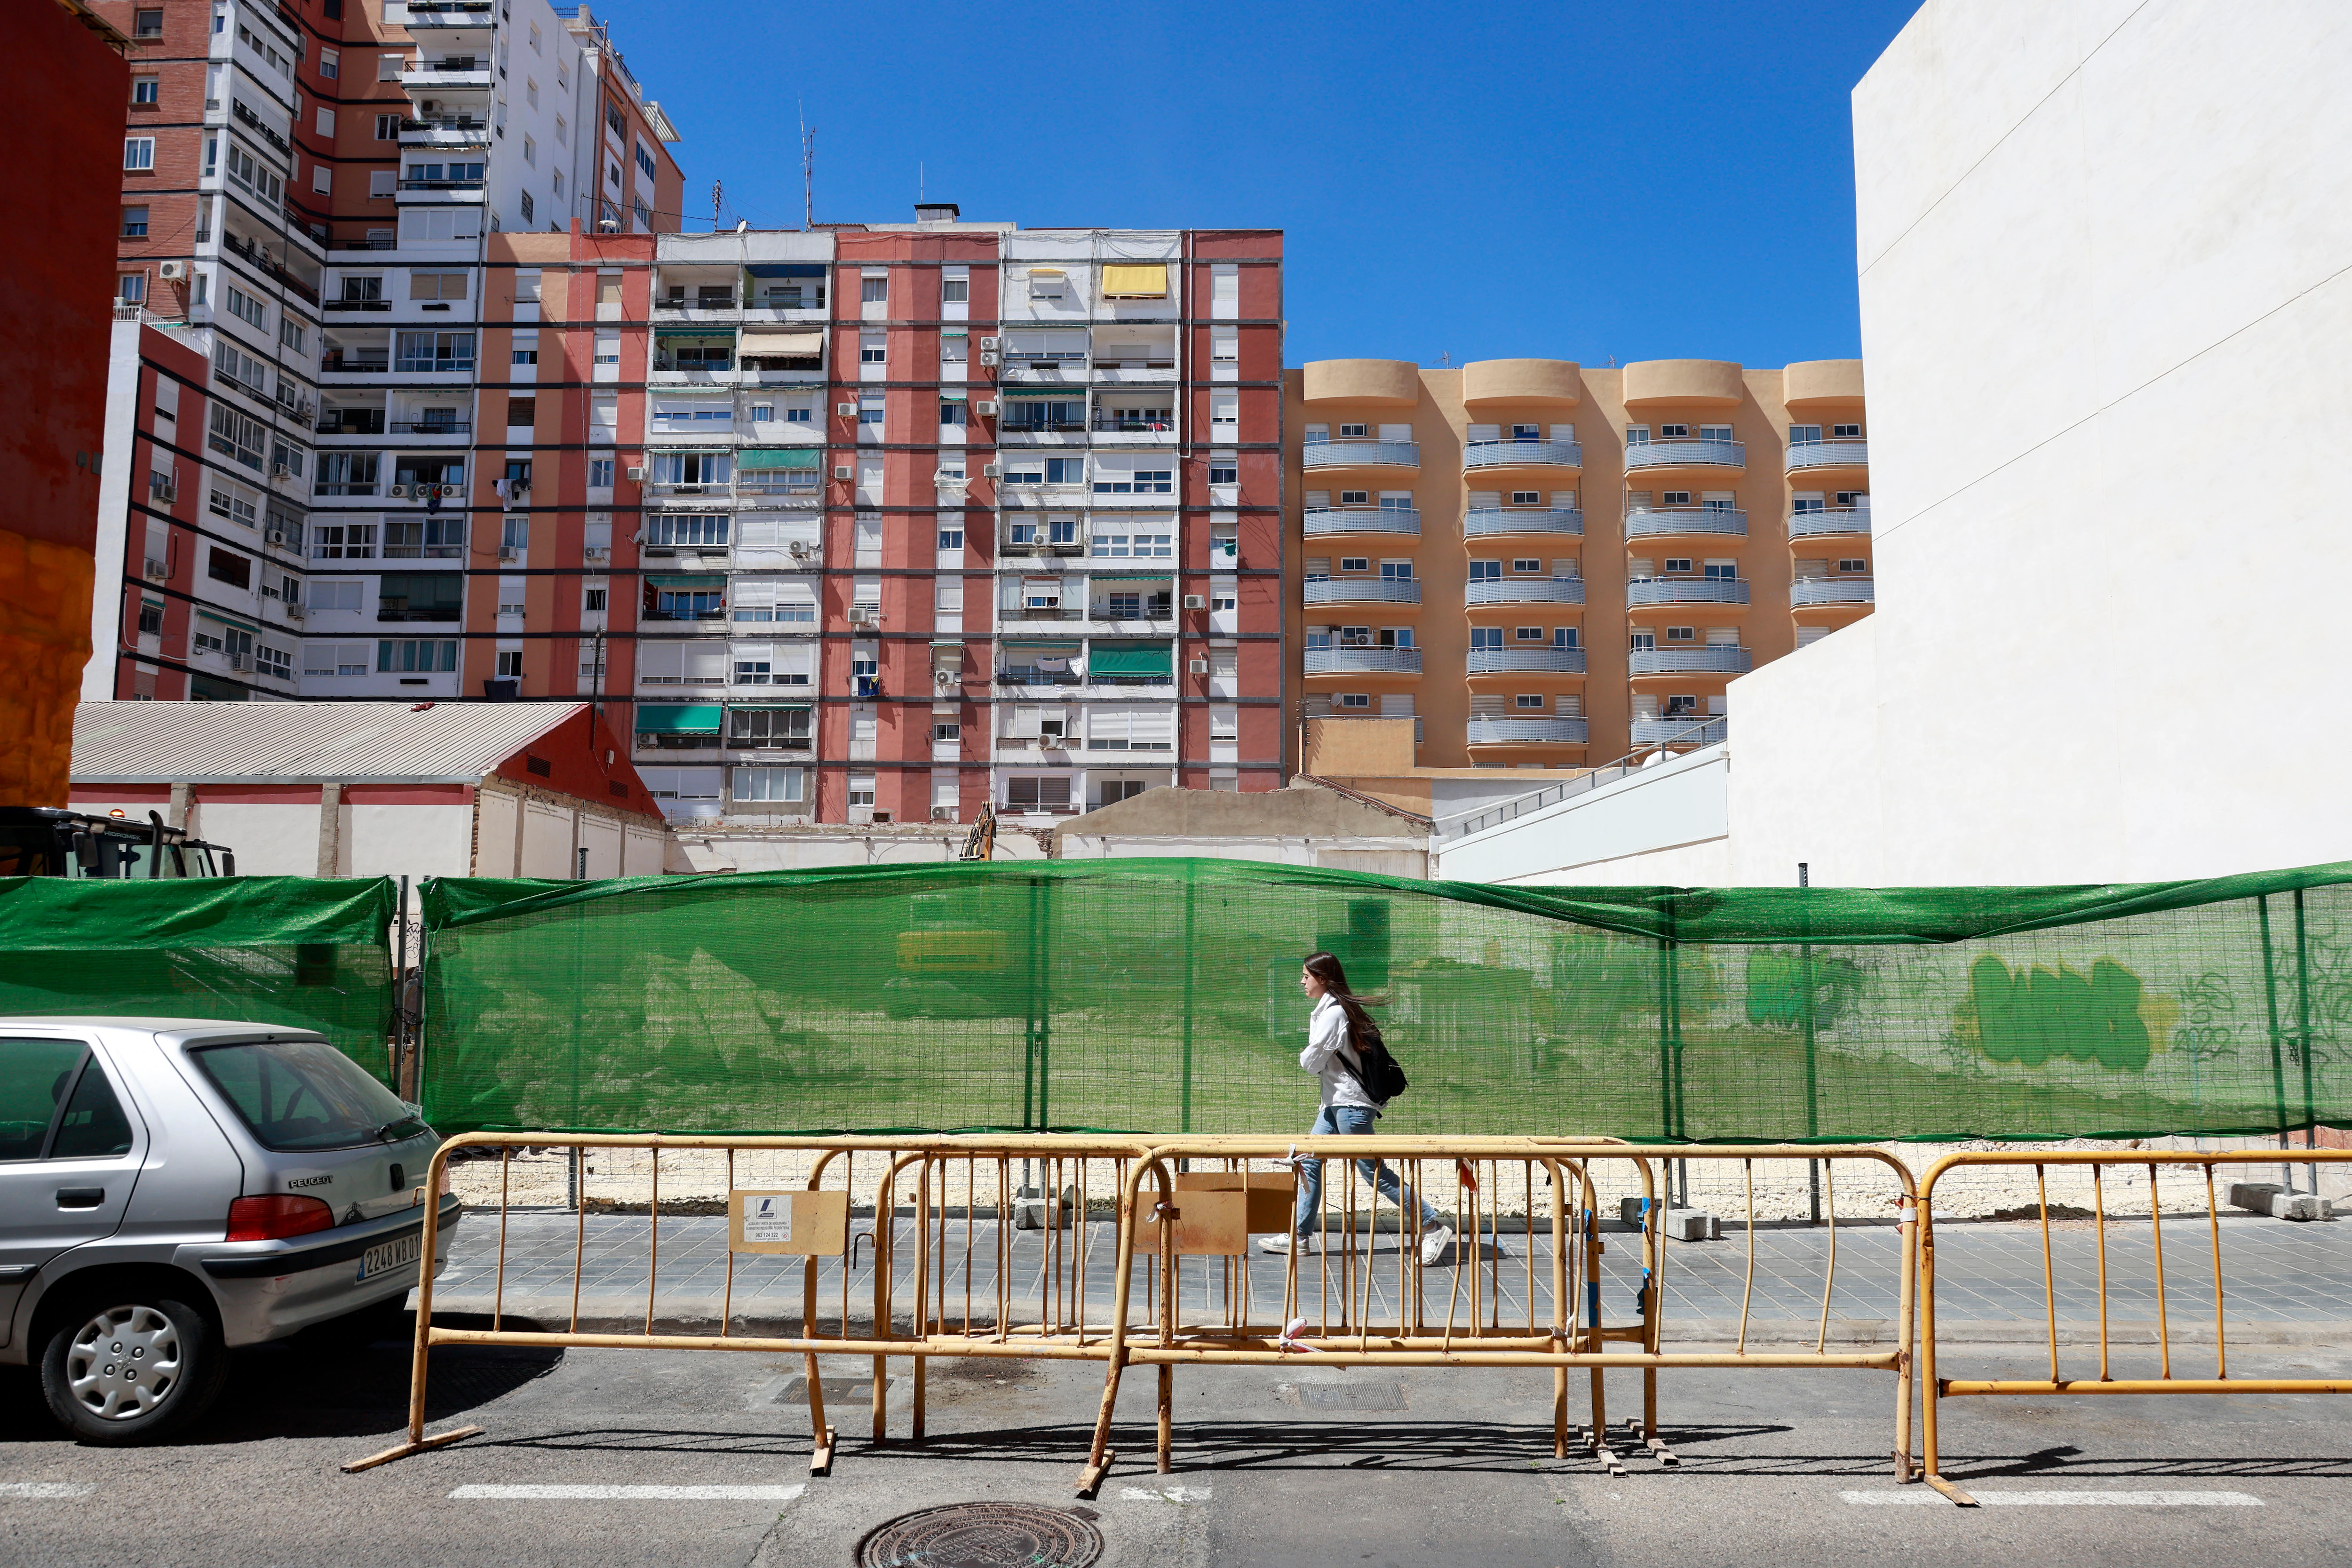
(1296,1466)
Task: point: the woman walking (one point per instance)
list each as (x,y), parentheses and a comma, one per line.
(1337,1023)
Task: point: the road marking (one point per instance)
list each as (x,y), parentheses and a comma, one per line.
(1163,1494)
(2070,1499)
(629,1494)
(47,1489)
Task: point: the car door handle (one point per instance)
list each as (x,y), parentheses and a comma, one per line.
(81,1197)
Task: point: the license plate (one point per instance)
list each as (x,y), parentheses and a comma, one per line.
(386,1256)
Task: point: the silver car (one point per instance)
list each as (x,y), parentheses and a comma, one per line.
(170,1188)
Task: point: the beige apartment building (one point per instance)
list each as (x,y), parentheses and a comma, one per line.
(1552,566)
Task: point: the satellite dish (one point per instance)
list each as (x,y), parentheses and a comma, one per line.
(742,224)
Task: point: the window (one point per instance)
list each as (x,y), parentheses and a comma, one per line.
(275,662)
(1353,432)
(226,566)
(147,24)
(1674,432)
(527,205)
(1225,471)
(946,729)
(246,308)
(953,413)
(1723,571)
(873,291)
(694,531)
(954,289)
(1526,498)
(416,657)
(1678,563)
(1224,348)
(1682,634)
(146,88)
(613,118)
(1143,481)
(871,349)
(343,542)
(347,473)
(1524,701)
(420,597)
(233,435)
(139,153)
(1523,563)
(388,67)
(290,332)
(530,92)
(600,473)
(592,601)
(433,351)
(1045,472)
(1804,434)
(951,539)
(1526,634)
(1354,700)
(645,162)
(1854,565)
(331,64)
(1354,564)
(1485,571)
(691,467)
(1396,571)
(1845,432)
(779,785)
(131,288)
(797,414)
(1142,546)
(1484,638)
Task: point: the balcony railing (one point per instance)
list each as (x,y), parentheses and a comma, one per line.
(1362,591)
(353,422)
(1680,730)
(1524,590)
(444,122)
(1829,590)
(1354,454)
(1846,454)
(1022,674)
(1153,425)
(1327,519)
(1508,732)
(1651,521)
(722,301)
(1714,658)
(355,363)
(1481,521)
(1835,520)
(1525,662)
(433,427)
(1686,591)
(441,184)
(1523,454)
(1683,453)
(1363,661)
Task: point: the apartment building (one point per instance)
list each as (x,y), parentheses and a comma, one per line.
(309,195)
(935,513)
(1548,566)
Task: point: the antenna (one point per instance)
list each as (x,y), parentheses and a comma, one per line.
(717,199)
(918,181)
(808,169)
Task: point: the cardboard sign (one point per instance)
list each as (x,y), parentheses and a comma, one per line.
(1208,1224)
(1273,1195)
(803,1223)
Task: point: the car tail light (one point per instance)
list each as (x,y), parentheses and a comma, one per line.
(278,1216)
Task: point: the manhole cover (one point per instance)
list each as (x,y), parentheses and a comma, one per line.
(983,1535)
(1351,1396)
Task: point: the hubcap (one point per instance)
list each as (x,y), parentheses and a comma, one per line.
(124,1363)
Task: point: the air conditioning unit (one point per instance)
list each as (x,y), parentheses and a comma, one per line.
(990,345)
(990,357)
(596,553)
(1196,601)
(987,406)
(943,814)
(636,473)
(843,471)
(1198,665)
(239,661)
(277,536)
(864,615)
(847,410)
(453,489)
(156,569)
(398,492)
(801,549)
(293,612)
(991,471)
(508,553)
(173,271)
(164,494)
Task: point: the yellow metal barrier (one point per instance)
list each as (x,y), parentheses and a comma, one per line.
(2151,1161)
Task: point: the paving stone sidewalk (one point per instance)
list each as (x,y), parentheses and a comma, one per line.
(2282,1282)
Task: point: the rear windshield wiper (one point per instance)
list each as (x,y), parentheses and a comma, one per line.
(383,1133)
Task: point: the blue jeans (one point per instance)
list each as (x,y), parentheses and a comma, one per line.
(1353,1120)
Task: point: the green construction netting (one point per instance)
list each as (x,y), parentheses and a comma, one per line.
(293,951)
(1163,995)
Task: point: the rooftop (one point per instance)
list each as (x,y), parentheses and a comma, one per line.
(304,742)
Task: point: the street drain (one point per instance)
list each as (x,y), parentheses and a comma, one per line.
(983,1535)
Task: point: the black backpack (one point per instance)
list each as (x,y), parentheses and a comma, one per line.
(1380,1076)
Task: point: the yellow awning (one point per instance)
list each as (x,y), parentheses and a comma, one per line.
(786,343)
(1135,281)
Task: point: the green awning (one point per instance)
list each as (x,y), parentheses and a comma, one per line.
(695,719)
(1131,659)
(780,457)
(1067,394)
(695,335)
(947,396)
(700,584)
(240,626)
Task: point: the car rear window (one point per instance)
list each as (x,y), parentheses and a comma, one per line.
(301,1094)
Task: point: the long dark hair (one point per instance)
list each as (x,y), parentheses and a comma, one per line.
(1361,1031)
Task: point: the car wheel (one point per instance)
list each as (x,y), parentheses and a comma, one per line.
(126,1372)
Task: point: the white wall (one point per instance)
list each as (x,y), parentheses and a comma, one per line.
(1666,823)
(408,840)
(1384,857)
(2106,262)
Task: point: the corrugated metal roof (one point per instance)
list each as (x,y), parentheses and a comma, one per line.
(304,742)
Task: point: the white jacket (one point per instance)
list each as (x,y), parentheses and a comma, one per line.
(1326,1048)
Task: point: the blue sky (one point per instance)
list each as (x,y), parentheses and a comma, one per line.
(1574,181)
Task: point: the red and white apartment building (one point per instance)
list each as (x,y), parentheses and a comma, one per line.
(422,398)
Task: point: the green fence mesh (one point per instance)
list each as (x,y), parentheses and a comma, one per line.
(1163,995)
(292,950)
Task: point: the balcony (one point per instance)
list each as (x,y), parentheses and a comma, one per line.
(1362,455)
(425,14)
(1524,590)
(1645,591)
(1715,659)
(1644,456)
(445,73)
(350,421)
(1363,661)
(1328,521)
(1483,522)
(1847,454)
(1807,591)
(1855,519)
(1664,522)
(1163,423)
(1680,730)
(361,363)
(1362,591)
(453,130)
(1525,662)
(432,427)
(1480,455)
(1557,731)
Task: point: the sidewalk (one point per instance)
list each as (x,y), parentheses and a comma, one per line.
(2284,1283)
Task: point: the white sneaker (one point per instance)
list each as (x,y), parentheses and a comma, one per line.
(1280,1245)
(1433,1244)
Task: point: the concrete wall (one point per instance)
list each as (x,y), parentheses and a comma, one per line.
(1667,824)
(696,851)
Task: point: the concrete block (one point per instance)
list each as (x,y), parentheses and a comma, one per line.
(1033,1211)
(1692,1225)
(1630,1211)
(2254,1196)
(2301,1206)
